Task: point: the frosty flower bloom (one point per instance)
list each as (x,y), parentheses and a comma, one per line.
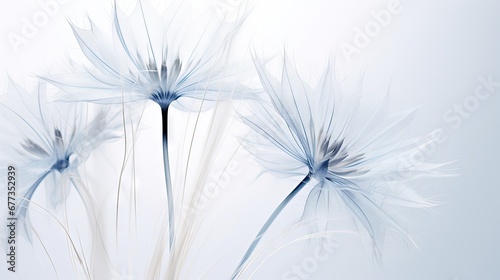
(148,56)
(46,143)
(352,152)
(163,58)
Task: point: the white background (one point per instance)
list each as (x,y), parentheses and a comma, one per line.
(431,54)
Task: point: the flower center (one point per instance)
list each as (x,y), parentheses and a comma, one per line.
(163,98)
(61,164)
(319,171)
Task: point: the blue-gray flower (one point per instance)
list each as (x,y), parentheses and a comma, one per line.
(47,142)
(344,143)
(169,59)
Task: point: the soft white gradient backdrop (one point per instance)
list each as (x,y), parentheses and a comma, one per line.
(431,54)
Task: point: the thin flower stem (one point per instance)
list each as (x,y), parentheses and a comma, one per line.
(87,200)
(166,165)
(268,223)
(23,206)
(27,197)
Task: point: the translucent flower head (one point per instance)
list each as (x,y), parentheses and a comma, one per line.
(348,144)
(148,56)
(47,141)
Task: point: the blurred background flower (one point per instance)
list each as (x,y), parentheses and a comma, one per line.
(47,142)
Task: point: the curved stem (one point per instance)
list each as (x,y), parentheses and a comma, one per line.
(25,201)
(166,166)
(86,198)
(268,223)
